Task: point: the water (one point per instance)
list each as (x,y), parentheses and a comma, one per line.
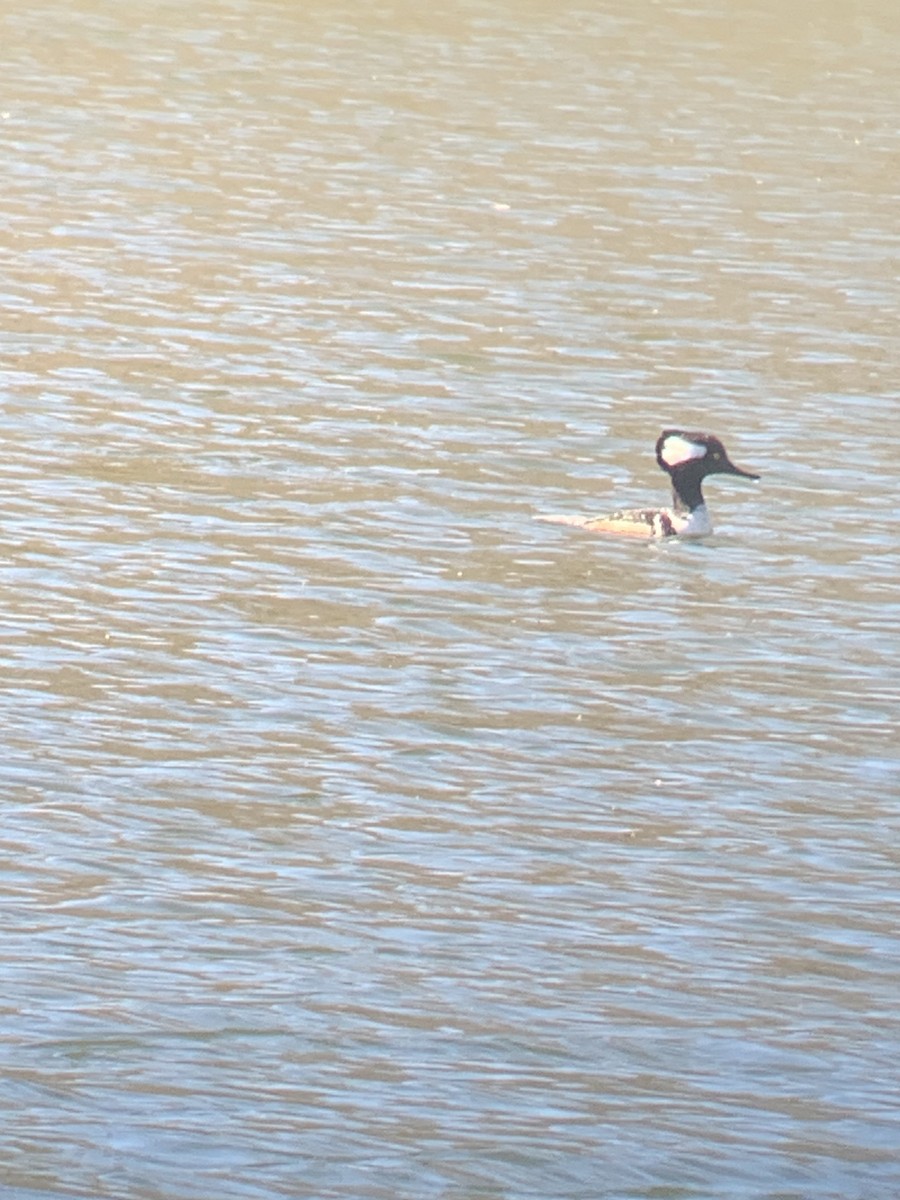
(361,837)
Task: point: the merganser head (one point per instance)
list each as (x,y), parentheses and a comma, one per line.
(697,455)
(687,458)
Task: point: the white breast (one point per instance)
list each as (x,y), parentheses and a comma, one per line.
(693,524)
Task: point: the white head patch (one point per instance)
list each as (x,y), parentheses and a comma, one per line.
(677,450)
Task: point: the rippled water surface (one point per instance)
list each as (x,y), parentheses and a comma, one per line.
(362,837)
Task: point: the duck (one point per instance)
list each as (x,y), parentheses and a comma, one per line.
(687,458)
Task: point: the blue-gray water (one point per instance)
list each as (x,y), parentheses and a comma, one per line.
(362,838)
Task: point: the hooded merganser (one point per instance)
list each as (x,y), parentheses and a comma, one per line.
(687,458)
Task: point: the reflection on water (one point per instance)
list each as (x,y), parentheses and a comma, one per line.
(362,837)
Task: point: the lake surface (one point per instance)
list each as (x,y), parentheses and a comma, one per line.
(361,837)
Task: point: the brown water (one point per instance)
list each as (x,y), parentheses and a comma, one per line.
(361,837)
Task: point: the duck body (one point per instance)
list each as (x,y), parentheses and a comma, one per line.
(687,458)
